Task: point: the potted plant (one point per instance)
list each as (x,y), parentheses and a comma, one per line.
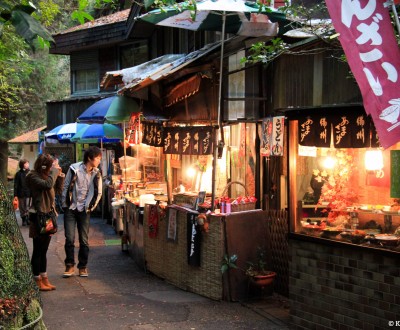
(257,270)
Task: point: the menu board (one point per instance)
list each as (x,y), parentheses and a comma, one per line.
(395,173)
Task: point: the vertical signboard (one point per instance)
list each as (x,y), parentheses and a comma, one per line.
(395,173)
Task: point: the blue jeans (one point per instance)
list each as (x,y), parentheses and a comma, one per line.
(74,218)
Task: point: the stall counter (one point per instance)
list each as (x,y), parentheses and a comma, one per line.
(178,250)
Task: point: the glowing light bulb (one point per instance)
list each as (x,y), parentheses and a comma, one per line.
(329,162)
(190,172)
(373,160)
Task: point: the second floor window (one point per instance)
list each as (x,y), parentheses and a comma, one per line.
(85,80)
(85,72)
(133,54)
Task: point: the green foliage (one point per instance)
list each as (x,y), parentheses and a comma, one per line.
(258,266)
(49,11)
(262,52)
(228,262)
(6,267)
(32,311)
(20,16)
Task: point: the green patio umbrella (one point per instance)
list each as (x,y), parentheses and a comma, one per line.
(115,109)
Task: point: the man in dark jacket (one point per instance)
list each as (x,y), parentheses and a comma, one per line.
(21,191)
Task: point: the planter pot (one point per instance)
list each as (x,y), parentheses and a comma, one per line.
(263,280)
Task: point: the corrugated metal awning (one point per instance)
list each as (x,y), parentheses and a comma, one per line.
(143,75)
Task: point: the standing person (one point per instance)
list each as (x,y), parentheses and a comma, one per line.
(21,191)
(43,181)
(81,194)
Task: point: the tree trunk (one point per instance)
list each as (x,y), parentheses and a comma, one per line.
(3,161)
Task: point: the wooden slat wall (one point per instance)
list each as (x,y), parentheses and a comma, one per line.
(311,80)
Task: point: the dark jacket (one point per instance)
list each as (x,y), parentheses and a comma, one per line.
(43,194)
(21,190)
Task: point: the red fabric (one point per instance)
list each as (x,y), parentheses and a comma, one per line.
(15,203)
(153,221)
(368,39)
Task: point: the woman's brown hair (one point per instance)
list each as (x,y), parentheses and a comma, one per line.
(43,163)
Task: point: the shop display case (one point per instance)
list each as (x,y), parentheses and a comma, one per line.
(343,200)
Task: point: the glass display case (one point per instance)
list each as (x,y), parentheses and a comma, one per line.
(339,194)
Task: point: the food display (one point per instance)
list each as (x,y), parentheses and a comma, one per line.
(353,236)
(374,225)
(387,239)
(331,232)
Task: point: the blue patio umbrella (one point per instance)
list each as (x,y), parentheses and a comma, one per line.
(64,133)
(95,133)
(114,109)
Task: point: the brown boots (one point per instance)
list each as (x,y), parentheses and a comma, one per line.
(44,284)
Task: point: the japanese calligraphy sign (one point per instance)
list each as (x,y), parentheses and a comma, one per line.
(194,140)
(277,136)
(315,131)
(272,136)
(152,134)
(368,40)
(349,128)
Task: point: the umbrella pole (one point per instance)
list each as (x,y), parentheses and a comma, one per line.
(123,129)
(102,174)
(218,135)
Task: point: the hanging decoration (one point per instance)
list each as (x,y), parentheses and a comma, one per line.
(193,240)
(153,220)
(266,137)
(132,129)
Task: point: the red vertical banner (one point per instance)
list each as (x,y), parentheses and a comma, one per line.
(132,130)
(368,40)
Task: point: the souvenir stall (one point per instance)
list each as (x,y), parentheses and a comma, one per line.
(195,201)
(160,196)
(178,235)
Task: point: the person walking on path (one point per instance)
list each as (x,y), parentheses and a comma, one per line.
(81,194)
(43,181)
(21,191)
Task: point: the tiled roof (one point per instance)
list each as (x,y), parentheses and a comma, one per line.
(28,137)
(109,19)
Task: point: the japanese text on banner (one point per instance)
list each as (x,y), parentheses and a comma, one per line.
(368,39)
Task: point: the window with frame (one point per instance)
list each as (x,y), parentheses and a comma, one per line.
(133,54)
(85,72)
(85,80)
(242,93)
(236,86)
